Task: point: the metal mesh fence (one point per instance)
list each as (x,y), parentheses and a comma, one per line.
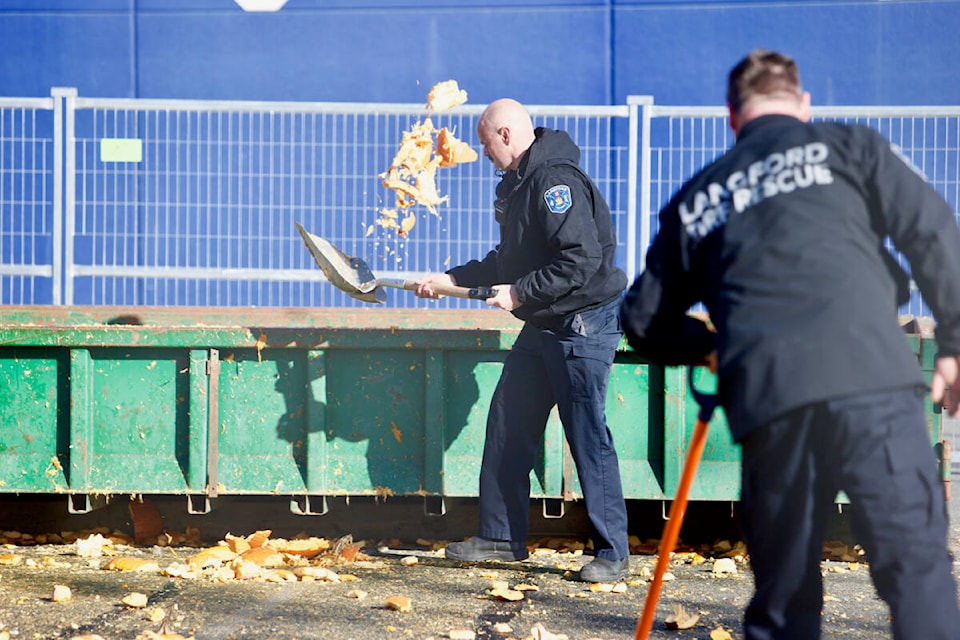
(685,139)
(26,200)
(206,215)
(198,206)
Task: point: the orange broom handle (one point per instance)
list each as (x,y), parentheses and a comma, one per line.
(671,531)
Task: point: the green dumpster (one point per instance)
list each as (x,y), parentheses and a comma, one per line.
(307,403)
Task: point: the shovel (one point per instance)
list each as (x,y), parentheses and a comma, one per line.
(353,276)
(707,402)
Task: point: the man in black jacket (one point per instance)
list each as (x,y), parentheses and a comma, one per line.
(782,239)
(553,269)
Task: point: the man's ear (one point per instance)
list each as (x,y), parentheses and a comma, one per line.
(734,124)
(504,134)
(805,107)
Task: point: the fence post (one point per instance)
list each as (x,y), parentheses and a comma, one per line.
(64,178)
(632,152)
(639,132)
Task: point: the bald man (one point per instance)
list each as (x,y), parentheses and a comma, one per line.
(554,269)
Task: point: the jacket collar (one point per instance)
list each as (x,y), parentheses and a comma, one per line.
(764,123)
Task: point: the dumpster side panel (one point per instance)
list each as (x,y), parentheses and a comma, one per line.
(374,421)
(718,475)
(32,448)
(261,418)
(138,409)
(635,418)
(470,379)
(926,350)
(553,468)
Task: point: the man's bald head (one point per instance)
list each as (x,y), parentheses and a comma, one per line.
(506,132)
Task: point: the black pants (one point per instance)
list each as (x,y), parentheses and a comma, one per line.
(569,368)
(876,449)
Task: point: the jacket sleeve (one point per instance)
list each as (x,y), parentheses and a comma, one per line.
(478,273)
(571,237)
(922,226)
(654,312)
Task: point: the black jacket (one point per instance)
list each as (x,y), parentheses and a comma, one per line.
(557,239)
(782,240)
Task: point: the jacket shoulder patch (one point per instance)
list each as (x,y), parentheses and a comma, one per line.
(558,198)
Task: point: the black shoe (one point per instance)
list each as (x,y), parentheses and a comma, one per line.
(476,549)
(601,570)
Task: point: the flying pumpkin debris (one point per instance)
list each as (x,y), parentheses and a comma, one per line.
(423,150)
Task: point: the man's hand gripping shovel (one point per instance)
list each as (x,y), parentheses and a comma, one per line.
(707,403)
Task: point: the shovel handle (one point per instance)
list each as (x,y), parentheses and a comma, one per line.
(474,293)
(678,508)
(671,531)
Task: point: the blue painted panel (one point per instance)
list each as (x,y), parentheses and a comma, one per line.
(64,6)
(350,5)
(900,53)
(554,56)
(540,51)
(88,50)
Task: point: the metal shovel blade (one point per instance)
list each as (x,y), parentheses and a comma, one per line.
(350,275)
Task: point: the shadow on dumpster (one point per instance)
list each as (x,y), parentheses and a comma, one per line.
(377,422)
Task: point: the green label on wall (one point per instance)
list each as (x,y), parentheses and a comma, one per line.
(121,150)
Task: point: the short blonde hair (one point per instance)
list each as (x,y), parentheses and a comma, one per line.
(763,73)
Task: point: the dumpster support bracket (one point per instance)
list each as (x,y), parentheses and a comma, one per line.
(213,418)
(199,503)
(554,508)
(80,503)
(434,506)
(300,506)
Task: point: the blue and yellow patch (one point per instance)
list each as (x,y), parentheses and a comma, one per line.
(558,198)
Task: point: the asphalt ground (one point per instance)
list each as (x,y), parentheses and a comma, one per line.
(448,599)
(445,597)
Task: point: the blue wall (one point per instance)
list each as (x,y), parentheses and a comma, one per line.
(561,52)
